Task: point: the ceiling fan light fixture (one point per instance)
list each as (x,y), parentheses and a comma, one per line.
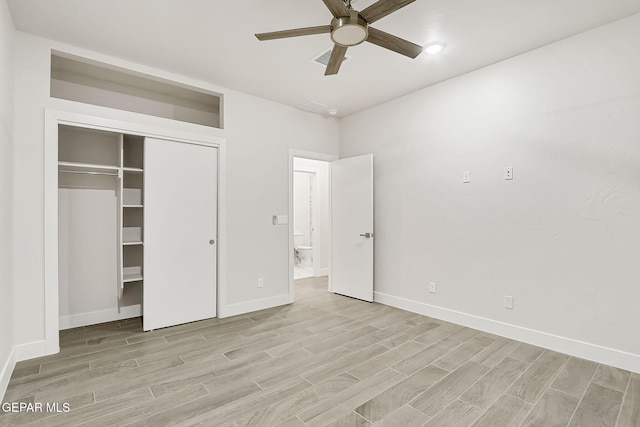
(349,30)
(433,48)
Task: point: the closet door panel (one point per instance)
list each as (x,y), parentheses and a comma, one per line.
(187,281)
(192,211)
(182,249)
(180,219)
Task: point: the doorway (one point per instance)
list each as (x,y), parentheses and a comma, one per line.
(303,223)
(349,237)
(309,213)
(310,218)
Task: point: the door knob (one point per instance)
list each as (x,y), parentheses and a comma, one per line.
(211,242)
(367,235)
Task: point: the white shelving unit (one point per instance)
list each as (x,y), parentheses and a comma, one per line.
(132,217)
(87,156)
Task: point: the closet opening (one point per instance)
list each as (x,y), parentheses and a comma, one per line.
(137,231)
(100,226)
(152,244)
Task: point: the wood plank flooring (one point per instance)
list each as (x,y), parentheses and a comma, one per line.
(326,360)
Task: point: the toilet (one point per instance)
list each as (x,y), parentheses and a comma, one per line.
(303,255)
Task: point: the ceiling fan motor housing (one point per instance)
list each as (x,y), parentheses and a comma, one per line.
(349,30)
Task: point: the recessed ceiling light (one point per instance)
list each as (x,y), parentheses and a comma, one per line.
(433,48)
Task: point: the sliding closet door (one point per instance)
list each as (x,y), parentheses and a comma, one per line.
(180,217)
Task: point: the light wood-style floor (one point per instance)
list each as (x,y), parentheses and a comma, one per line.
(325,360)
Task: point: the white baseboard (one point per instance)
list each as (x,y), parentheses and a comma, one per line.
(596,353)
(322,272)
(19,353)
(251,306)
(5,374)
(93,317)
(31,350)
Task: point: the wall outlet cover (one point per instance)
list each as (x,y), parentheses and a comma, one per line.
(508,172)
(508,302)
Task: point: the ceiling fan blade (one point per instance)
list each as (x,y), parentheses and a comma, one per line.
(335,61)
(337,8)
(322,29)
(396,44)
(382,8)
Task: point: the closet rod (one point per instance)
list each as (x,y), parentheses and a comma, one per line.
(88,172)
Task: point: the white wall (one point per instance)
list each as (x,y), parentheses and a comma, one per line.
(562,237)
(321,211)
(6,194)
(259,134)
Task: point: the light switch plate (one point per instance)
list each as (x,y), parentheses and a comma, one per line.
(280,219)
(466,177)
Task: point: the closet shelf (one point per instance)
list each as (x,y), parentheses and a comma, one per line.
(81,167)
(129,169)
(133,243)
(131,274)
(132,206)
(126,278)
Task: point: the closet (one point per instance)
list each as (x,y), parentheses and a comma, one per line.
(137,226)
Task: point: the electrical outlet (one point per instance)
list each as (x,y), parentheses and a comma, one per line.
(432,287)
(466,177)
(260,282)
(508,302)
(508,172)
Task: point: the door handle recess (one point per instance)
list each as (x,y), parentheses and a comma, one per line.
(211,242)
(367,235)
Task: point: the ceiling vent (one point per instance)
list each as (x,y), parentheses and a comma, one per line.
(313,107)
(323,57)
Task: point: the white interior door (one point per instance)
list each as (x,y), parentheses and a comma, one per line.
(352,227)
(180,218)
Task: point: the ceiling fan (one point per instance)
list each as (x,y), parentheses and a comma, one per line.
(350,28)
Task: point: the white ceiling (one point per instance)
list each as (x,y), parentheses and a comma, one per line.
(213,40)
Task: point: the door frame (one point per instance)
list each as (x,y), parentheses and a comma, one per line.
(311,155)
(194,135)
